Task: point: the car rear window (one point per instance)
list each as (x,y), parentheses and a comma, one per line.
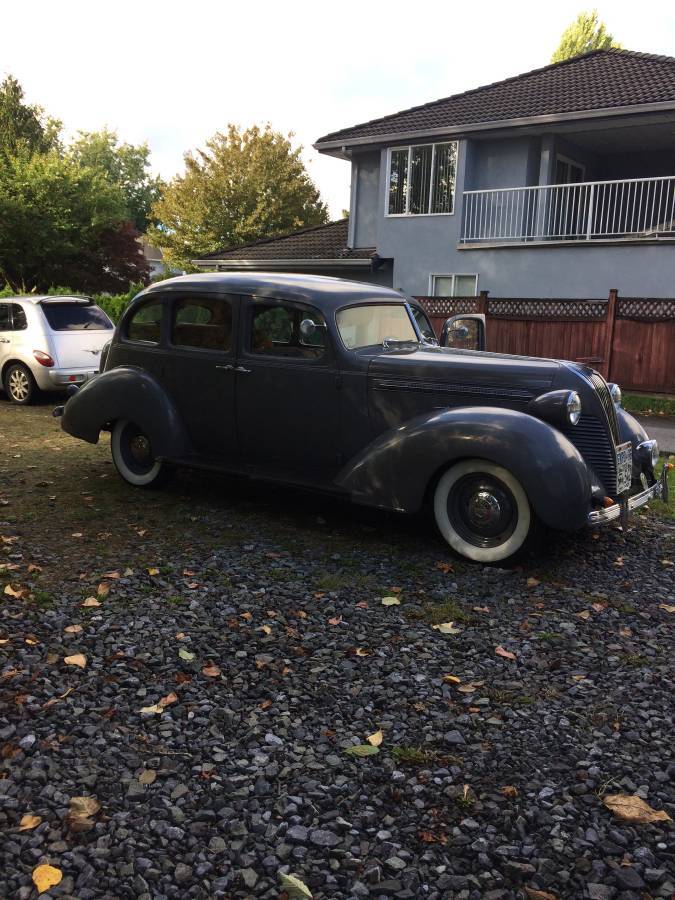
(75,317)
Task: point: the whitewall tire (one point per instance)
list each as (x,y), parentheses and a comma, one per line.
(482,511)
(133,457)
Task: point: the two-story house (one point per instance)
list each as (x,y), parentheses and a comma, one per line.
(558,182)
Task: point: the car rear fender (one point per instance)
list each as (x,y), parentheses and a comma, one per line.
(396,469)
(127,393)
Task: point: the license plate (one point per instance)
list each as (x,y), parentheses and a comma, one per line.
(624,467)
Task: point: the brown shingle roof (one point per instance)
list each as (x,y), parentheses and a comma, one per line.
(316,242)
(602,79)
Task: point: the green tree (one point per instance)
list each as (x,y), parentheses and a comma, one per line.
(125,165)
(24,127)
(586,33)
(245,185)
(63,223)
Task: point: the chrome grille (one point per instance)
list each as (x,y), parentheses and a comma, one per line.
(605,398)
(590,438)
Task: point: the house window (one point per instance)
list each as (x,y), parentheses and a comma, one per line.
(422,180)
(454,285)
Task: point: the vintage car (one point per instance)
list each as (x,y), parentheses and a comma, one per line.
(340,386)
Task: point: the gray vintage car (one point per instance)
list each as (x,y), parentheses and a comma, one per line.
(341,386)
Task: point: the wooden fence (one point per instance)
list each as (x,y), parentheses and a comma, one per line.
(630,340)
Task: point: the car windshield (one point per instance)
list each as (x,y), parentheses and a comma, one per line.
(375,324)
(75,317)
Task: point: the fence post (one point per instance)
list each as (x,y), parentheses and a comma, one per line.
(482,302)
(609,330)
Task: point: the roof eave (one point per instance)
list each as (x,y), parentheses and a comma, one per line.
(340,147)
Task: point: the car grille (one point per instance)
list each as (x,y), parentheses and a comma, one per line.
(605,398)
(590,438)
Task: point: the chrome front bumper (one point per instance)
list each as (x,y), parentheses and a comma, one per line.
(658,491)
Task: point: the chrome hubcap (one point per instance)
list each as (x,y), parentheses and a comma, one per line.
(18,385)
(140,450)
(483,509)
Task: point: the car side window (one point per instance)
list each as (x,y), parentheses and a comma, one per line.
(5,320)
(204,323)
(19,322)
(146,323)
(275,331)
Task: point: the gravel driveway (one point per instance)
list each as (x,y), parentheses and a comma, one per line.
(238,646)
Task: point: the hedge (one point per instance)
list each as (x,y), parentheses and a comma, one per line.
(112,304)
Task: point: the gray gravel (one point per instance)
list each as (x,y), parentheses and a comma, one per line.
(473,795)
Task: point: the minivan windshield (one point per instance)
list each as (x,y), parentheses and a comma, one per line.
(75,317)
(375,324)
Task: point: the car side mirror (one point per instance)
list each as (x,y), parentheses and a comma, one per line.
(464,332)
(308,327)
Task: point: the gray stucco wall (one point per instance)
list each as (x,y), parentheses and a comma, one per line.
(421,245)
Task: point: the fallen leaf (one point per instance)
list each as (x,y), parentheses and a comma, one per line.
(77,659)
(147,776)
(211,671)
(508,790)
(29,822)
(185,654)
(667,562)
(151,571)
(80,815)
(247,615)
(362,750)
(584,614)
(500,651)
(451,679)
(19,592)
(469,687)
(73,629)
(296,889)
(430,837)
(91,601)
(532,582)
(598,607)
(444,567)
(391,601)
(103,589)
(266,628)
(45,877)
(111,575)
(335,620)
(31,640)
(481,609)
(375,739)
(363,651)
(76,534)
(180,635)
(447,628)
(668,608)
(128,573)
(631,808)
(57,699)
(168,700)
(624,631)
(539,895)
(32,567)
(155,710)
(4,641)
(578,677)
(265,705)
(363,604)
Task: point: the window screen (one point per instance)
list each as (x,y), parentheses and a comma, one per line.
(422,179)
(146,323)
(204,323)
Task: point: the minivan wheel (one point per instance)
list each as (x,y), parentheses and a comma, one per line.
(133,456)
(20,385)
(482,511)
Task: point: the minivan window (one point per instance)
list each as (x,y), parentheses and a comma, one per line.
(5,321)
(75,317)
(204,323)
(19,322)
(146,323)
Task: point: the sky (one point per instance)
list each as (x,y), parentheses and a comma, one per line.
(173,73)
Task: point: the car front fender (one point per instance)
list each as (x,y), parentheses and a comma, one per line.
(396,469)
(127,393)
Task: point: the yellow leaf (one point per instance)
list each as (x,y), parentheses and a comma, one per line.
(103,589)
(667,562)
(376,739)
(82,809)
(110,575)
(20,593)
(168,700)
(153,571)
(266,628)
(155,709)
(447,628)
(76,534)
(73,629)
(500,651)
(631,808)
(584,614)
(468,688)
(45,877)
(128,573)
(363,651)
(147,776)
(451,679)
(77,659)
(27,822)
(294,887)
(391,601)
(91,601)
(668,608)
(532,582)
(508,790)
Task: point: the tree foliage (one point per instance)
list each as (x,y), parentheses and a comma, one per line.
(24,127)
(586,33)
(245,185)
(125,165)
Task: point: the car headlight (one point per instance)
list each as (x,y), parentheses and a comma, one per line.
(573,407)
(615,393)
(649,450)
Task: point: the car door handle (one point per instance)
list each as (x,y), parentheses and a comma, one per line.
(242,371)
(225,368)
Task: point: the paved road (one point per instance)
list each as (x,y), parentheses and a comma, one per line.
(662,429)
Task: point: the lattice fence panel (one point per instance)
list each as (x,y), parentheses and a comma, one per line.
(645,309)
(538,309)
(449,306)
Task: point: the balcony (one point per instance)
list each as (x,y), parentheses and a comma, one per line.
(635,209)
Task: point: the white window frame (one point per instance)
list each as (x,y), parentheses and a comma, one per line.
(570,162)
(409,148)
(453,275)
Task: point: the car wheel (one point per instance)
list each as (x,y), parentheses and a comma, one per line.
(482,511)
(133,456)
(20,385)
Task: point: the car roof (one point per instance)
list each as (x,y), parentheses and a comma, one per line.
(320,290)
(42,298)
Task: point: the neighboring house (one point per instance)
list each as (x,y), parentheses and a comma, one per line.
(153,257)
(556,183)
(319,250)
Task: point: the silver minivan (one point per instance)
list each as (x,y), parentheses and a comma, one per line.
(47,343)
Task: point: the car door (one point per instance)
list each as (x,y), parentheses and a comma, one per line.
(5,332)
(287,391)
(200,365)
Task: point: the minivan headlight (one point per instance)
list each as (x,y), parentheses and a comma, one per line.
(573,407)
(615,393)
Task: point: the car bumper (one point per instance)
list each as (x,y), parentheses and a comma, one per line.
(657,491)
(59,379)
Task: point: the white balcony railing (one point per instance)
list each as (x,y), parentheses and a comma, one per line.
(589,210)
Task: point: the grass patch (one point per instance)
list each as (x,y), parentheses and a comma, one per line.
(509,698)
(333,581)
(551,637)
(43,599)
(446,611)
(649,404)
(657,507)
(422,757)
(635,660)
